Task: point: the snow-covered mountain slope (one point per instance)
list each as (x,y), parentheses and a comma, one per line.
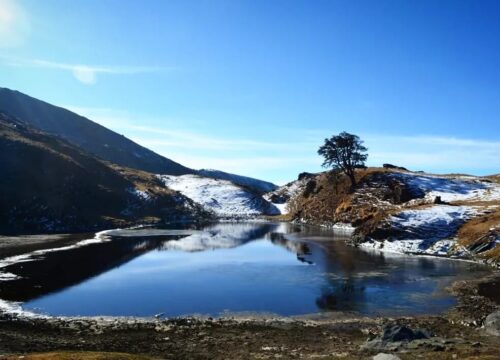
(428,231)
(281,196)
(223,197)
(251,183)
(422,226)
(450,188)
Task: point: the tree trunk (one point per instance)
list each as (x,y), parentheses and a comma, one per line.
(352,177)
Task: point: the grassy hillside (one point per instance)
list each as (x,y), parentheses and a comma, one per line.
(48,184)
(86,134)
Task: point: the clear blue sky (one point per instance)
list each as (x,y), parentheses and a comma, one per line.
(253,87)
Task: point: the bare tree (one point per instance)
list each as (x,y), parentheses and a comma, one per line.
(344,152)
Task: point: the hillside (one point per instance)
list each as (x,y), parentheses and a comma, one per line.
(50,185)
(402,211)
(88,135)
(222,197)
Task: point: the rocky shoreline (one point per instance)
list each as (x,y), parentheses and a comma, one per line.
(458,334)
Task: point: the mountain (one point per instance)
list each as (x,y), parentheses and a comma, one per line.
(86,134)
(254,184)
(50,185)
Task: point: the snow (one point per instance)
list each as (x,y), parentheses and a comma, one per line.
(450,189)
(140,194)
(286,193)
(283,208)
(431,230)
(259,185)
(294,188)
(425,231)
(223,197)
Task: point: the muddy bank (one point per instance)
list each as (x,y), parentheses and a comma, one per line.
(457,334)
(22,244)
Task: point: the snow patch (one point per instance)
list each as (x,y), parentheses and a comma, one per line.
(140,194)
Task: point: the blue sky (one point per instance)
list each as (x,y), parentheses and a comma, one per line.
(254,87)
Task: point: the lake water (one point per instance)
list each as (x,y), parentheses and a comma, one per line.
(231,268)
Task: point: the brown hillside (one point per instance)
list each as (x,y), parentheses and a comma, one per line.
(47,184)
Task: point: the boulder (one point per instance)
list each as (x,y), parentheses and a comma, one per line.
(397,337)
(492,323)
(404,333)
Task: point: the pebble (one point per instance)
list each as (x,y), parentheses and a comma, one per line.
(384,356)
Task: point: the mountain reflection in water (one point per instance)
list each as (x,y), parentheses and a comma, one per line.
(230,267)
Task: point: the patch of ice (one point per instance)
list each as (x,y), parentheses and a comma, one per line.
(35,255)
(14,308)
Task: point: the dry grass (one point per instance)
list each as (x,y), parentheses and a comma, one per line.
(494,178)
(328,198)
(63,355)
(474,230)
(477,227)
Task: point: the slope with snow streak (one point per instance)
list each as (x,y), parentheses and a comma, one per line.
(432,229)
(457,188)
(223,197)
(427,231)
(281,196)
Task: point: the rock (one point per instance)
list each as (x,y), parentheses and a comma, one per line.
(305,175)
(390,166)
(492,323)
(396,337)
(404,333)
(383,356)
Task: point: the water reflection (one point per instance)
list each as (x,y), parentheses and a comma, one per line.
(269,267)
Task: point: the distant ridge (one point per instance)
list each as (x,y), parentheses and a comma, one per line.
(88,135)
(252,183)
